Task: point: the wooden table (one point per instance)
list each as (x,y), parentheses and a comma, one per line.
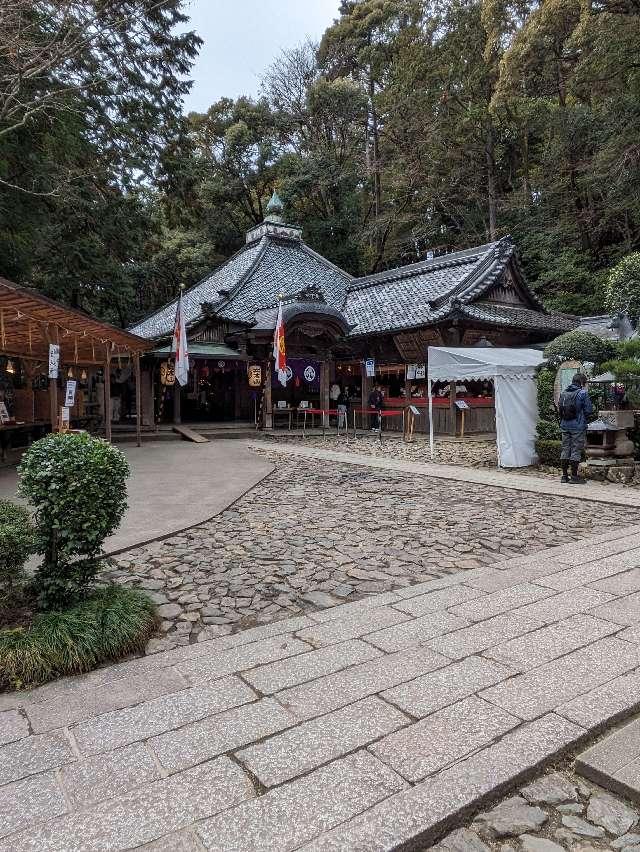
(33,430)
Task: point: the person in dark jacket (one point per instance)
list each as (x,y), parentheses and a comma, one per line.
(376,403)
(342,404)
(574,407)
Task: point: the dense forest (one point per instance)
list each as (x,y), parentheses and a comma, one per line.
(411,126)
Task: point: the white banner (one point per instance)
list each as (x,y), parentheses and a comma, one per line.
(54,360)
(70,394)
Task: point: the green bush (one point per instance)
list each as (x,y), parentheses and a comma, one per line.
(548,430)
(549,452)
(17,541)
(580,346)
(545,380)
(77,485)
(110,623)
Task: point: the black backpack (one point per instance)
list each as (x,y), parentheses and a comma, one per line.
(568,405)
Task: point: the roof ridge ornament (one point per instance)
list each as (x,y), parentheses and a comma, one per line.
(311,293)
(275,209)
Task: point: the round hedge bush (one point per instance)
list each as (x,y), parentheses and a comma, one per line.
(77,486)
(580,346)
(111,622)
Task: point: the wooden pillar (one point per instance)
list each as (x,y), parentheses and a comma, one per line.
(136,364)
(325,386)
(452,406)
(267,410)
(53,403)
(177,393)
(107,396)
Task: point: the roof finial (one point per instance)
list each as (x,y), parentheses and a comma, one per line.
(275,208)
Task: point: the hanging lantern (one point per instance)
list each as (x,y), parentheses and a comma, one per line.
(10,366)
(83,375)
(254,374)
(167,373)
(70,373)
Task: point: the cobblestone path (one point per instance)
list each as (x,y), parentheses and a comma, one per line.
(315,534)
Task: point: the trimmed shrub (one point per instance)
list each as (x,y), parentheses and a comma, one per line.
(77,485)
(110,623)
(580,346)
(548,430)
(17,541)
(545,380)
(622,291)
(549,452)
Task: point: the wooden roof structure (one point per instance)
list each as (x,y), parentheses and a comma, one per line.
(29,322)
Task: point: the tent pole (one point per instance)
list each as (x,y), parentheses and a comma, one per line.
(429,388)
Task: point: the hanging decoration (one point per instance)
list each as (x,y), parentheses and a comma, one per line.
(254,374)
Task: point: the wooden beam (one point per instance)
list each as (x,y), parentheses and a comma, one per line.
(136,364)
(107,395)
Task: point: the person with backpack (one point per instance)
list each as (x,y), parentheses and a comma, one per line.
(574,407)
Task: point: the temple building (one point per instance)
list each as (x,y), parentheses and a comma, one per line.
(341,332)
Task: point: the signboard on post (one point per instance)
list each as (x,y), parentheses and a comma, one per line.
(461,405)
(370,368)
(64,419)
(54,360)
(70,394)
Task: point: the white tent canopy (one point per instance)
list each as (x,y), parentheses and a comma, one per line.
(512,372)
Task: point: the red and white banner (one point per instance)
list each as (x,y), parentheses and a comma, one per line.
(179,346)
(279,350)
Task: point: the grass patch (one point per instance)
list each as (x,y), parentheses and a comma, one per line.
(110,623)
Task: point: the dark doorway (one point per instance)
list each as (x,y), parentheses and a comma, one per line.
(211,393)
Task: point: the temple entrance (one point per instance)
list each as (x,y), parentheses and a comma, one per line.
(210,396)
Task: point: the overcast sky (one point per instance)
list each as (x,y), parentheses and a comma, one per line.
(243,37)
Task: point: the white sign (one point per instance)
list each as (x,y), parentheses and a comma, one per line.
(461,405)
(411,371)
(415,411)
(4,414)
(64,415)
(370,368)
(54,360)
(421,371)
(70,394)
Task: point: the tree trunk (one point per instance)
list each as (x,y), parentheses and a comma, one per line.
(491,183)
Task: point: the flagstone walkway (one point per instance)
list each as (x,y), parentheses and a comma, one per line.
(502,478)
(316,533)
(361,727)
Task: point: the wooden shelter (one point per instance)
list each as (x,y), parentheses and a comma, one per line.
(30,323)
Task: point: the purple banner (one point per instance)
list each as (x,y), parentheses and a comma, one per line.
(301,373)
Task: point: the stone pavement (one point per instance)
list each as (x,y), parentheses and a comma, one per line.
(174,487)
(362,727)
(500,478)
(314,534)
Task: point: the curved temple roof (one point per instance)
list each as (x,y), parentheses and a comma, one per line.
(276,262)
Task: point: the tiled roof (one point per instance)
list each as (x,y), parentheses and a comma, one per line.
(423,293)
(226,276)
(518,317)
(252,281)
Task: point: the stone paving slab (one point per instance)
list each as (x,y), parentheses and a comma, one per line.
(553,684)
(273,677)
(583,574)
(625,610)
(313,743)
(550,642)
(32,799)
(431,744)
(352,626)
(121,727)
(141,815)
(421,813)
(614,762)
(289,816)
(431,692)
(223,732)
(13,726)
(105,776)
(335,758)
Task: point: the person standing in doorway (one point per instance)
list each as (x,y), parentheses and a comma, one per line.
(343,408)
(574,408)
(376,403)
